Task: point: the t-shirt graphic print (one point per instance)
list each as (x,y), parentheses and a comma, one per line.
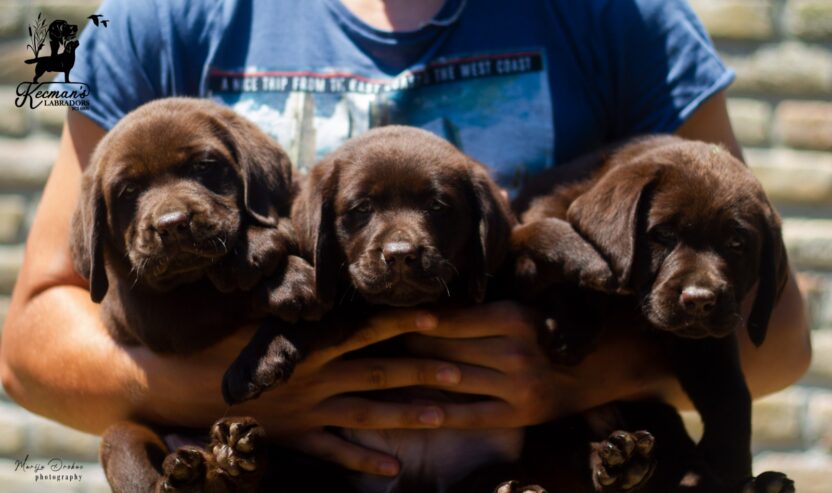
(496,107)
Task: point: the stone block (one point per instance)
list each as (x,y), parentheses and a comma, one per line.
(786,68)
(736,19)
(793,177)
(751,120)
(819,427)
(50,439)
(12,213)
(26,163)
(13,430)
(820,372)
(12,69)
(810,19)
(11,22)
(11,257)
(809,242)
(777,419)
(806,124)
(14,121)
(4,310)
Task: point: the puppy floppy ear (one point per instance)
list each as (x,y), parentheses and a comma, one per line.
(493,222)
(773,273)
(313,217)
(89,223)
(607,215)
(264,169)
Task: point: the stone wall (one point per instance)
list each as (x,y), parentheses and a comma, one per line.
(781,106)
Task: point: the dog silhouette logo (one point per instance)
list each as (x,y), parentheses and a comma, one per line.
(61,38)
(62,46)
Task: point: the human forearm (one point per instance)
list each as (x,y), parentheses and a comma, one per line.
(77,375)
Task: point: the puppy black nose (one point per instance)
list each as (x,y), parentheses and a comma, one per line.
(172,224)
(399,253)
(697,300)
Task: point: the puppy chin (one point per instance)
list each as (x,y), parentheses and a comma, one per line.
(166,273)
(399,292)
(682,325)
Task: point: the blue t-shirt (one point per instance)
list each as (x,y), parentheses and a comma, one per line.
(518,85)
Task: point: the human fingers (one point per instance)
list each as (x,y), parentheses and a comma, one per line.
(380,327)
(377,374)
(329,447)
(360,413)
(500,353)
(501,318)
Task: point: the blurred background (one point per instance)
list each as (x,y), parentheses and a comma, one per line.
(781,108)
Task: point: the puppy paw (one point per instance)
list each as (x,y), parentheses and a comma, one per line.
(769,482)
(622,462)
(292,295)
(258,369)
(183,470)
(549,252)
(250,261)
(515,487)
(236,443)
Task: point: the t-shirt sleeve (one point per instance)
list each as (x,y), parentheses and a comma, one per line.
(663,66)
(126,63)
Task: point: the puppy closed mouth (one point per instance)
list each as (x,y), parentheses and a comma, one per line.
(382,284)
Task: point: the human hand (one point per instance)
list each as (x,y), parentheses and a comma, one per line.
(186,391)
(497,349)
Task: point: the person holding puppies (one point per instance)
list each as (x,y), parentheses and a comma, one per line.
(520,86)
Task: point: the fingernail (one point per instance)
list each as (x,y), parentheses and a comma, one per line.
(426,321)
(431,417)
(388,468)
(448,374)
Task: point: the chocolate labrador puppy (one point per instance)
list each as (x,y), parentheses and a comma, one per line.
(399,217)
(396,217)
(183,232)
(682,232)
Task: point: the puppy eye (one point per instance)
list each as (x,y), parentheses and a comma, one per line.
(736,242)
(128,190)
(664,236)
(362,207)
(437,205)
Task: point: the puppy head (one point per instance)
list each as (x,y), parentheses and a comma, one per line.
(168,190)
(689,229)
(404,216)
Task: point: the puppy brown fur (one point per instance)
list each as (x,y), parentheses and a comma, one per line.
(395,217)
(184,208)
(687,231)
(182,229)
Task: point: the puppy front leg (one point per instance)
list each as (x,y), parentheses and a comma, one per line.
(260,252)
(290,295)
(132,455)
(549,252)
(710,373)
(267,360)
